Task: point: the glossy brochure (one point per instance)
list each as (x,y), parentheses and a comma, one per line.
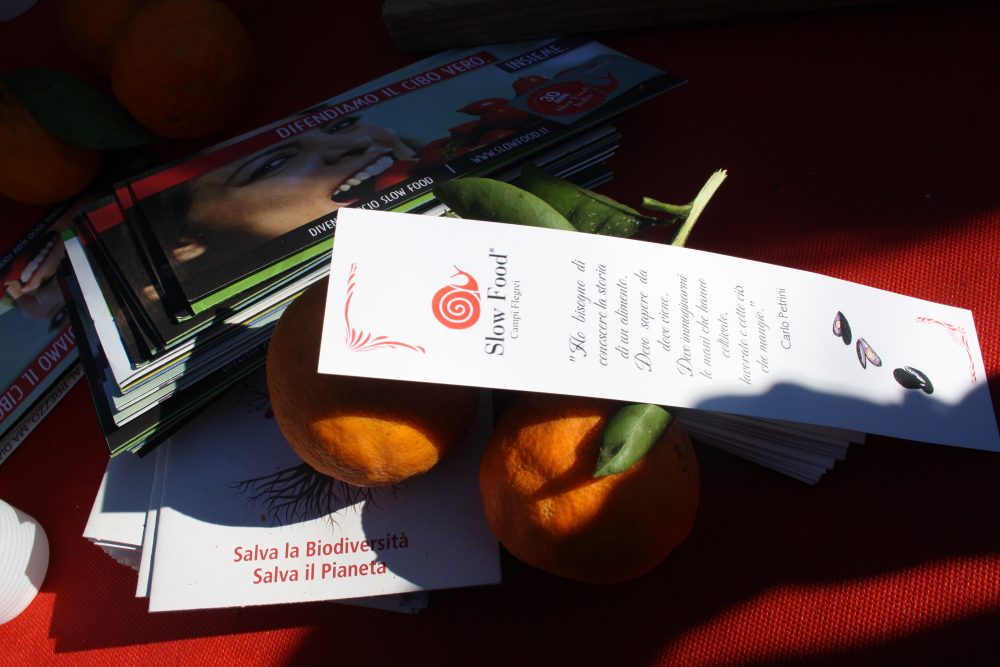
(39,345)
(382,145)
(158,419)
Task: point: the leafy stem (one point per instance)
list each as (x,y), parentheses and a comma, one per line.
(688,214)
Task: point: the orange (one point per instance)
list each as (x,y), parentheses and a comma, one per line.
(361,431)
(184,68)
(37,167)
(548,510)
(91,28)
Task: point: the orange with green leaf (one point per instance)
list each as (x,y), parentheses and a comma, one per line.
(584,488)
(581,490)
(55,131)
(36,166)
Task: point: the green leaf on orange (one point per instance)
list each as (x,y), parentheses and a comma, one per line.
(74,111)
(628,434)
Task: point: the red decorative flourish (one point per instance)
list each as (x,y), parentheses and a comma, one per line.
(957,334)
(359,341)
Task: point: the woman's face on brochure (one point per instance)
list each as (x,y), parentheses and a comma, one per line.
(291,183)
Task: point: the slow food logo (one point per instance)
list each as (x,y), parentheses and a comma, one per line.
(457,304)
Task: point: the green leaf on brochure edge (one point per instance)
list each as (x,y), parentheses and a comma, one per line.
(73,110)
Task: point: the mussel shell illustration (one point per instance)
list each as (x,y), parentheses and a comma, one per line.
(912,378)
(842,328)
(867,354)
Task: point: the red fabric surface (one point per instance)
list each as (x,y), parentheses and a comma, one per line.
(860,144)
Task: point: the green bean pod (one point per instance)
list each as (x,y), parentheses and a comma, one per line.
(588,211)
(497,201)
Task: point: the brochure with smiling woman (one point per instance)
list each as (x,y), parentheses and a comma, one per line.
(234,215)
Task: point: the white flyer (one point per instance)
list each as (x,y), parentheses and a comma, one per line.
(243,521)
(461,301)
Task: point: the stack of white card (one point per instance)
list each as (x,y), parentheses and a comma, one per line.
(118,518)
(206,522)
(803,452)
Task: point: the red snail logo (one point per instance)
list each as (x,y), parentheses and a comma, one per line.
(456,305)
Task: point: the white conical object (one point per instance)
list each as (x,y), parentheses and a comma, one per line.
(24,559)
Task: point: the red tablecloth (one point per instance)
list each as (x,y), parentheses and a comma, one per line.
(860,144)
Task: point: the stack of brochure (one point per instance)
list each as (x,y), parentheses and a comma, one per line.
(224,514)
(180,274)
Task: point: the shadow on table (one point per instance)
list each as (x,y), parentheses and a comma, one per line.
(891,508)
